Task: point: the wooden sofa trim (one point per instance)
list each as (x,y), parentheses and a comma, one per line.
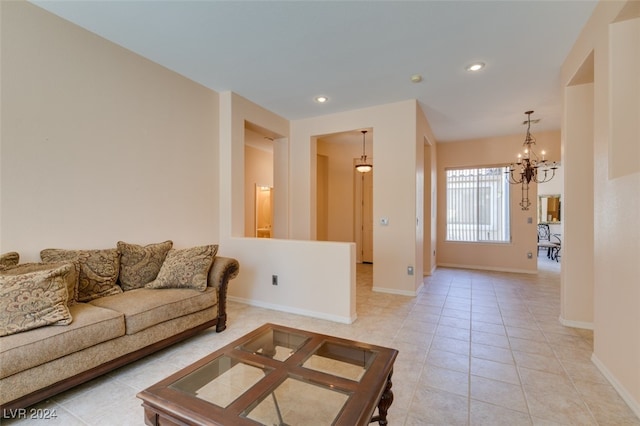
(85,376)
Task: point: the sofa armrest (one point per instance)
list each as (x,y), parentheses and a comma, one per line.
(222,271)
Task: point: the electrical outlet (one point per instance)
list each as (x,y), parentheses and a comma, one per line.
(274,280)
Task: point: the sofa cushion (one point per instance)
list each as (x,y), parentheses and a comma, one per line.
(91,325)
(139,265)
(34,299)
(144,308)
(186,268)
(9,259)
(98,270)
(70,279)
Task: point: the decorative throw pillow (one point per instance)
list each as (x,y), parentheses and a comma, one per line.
(139,265)
(98,270)
(70,278)
(9,259)
(186,268)
(34,299)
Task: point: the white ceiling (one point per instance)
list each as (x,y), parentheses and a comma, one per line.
(281,54)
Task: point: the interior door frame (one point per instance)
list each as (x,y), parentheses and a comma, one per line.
(363,214)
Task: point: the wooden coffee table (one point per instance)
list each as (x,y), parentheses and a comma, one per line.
(278,375)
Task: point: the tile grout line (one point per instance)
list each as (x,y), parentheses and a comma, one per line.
(515,363)
(564,369)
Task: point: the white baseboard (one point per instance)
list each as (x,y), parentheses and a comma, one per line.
(487,268)
(576,324)
(395,291)
(289,309)
(626,396)
(433,269)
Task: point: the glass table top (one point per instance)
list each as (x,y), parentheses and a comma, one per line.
(350,362)
(221,381)
(275,344)
(297,401)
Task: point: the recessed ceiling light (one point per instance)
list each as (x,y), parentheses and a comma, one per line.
(321,99)
(477,66)
(416,78)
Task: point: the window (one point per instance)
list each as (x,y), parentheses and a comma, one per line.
(478,205)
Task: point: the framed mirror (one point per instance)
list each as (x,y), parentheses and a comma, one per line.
(549,208)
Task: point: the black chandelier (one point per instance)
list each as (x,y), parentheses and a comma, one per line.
(529,166)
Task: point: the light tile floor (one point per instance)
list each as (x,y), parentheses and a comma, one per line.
(476,348)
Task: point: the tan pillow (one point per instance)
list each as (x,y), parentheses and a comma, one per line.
(33,300)
(139,265)
(9,259)
(98,270)
(186,268)
(70,278)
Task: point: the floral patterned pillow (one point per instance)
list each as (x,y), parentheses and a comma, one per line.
(139,265)
(98,270)
(34,299)
(9,259)
(70,278)
(186,268)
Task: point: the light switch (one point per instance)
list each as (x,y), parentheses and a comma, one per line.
(384,221)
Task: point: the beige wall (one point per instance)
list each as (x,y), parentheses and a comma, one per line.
(306,285)
(577,275)
(394,185)
(616,201)
(99,144)
(235,113)
(488,152)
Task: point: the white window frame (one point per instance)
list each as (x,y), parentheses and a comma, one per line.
(466,220)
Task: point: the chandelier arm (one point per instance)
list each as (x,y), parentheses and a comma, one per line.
(546,178)
(511,179)
(529,164)
(537,177)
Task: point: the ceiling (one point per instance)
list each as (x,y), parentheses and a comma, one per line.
(282,54)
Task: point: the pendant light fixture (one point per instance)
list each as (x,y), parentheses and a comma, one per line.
(364,166)
(529,167)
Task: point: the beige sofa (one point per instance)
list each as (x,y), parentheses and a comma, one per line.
(108,332)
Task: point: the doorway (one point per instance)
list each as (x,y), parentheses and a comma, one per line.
(258,182)
(344,197)
(363,214)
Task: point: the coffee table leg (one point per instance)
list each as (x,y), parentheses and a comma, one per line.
(385,402)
